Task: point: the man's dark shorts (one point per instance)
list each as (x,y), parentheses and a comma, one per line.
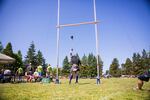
(143,78)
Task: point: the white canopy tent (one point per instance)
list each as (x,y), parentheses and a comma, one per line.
(4,59)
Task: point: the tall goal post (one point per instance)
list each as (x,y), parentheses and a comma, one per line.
(58,26)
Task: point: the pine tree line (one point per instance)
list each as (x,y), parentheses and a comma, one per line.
(138,64)
(135,66)
(32,57)
(88,69)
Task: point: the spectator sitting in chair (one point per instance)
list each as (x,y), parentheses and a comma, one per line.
(36,75)
(28,75)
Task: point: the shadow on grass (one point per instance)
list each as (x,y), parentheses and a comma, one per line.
(1,94)
(147,92)
(83,83)
(148,97)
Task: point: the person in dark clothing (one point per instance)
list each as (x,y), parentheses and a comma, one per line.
(145,77)
(2,75)
(75,62)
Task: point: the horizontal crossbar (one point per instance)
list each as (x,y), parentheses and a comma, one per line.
(77,24)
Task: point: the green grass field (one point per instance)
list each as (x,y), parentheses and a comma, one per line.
(109,89)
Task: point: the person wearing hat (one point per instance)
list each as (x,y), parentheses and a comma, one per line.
(145,77)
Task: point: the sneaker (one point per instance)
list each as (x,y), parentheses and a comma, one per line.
(76,82)
(136,88)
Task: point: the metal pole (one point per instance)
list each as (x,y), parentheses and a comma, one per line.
(97,46)
(58,35)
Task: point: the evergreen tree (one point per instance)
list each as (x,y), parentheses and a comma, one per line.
(84,69)
(39,58)
(92,65)
(20,54)
(84,60)
(91,60)
(8,50)
(141,63)
(100,65)
(148,59)
(114,68)
(18,63)
(66,66)
(144,54)
(20,59)
(134,60)
(145,60)
(137,64)
(31,56)
(1,47)
(128,67)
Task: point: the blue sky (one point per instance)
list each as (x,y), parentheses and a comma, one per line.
(124,27)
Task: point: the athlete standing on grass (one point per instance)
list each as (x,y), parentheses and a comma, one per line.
(75,63)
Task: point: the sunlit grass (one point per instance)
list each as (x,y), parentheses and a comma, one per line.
(109,89)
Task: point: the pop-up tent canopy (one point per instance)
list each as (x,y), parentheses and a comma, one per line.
(4,59)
